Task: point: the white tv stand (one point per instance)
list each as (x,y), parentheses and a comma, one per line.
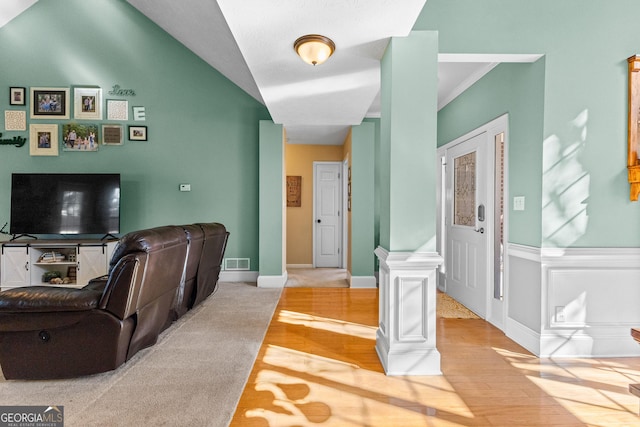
(25,263)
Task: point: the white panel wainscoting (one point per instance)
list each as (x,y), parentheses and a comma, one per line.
(589,301)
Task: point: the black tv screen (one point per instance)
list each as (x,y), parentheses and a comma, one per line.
(65,203)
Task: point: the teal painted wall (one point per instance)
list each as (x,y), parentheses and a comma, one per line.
(517,89)
(376,179)
(584,196)
(408,143)
(202,129)
(272,200)
(363,191)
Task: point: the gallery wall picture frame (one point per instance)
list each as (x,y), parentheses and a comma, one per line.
(87,103)
(43,139)
(112,135)
(49,103)
(15,120)
(17,96)
(80,137)
(117,109)
(137,133)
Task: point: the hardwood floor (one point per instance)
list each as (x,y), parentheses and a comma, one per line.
(318,366)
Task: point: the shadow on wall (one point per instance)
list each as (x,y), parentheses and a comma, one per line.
(565,186)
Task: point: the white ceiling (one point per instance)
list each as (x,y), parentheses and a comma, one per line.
(251,43)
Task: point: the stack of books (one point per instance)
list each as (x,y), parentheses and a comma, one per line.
(51,257)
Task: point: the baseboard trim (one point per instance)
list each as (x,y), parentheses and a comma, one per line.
(238,276)
(362,282)
(272,281)
(524,336)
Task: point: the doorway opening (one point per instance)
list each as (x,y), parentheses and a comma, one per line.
(472,220)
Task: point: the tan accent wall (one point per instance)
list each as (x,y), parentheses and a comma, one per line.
(299,160)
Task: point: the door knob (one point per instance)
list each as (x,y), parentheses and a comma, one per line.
(319,221)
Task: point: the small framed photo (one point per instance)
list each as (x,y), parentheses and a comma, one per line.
(112,135)
(87,103)
(16,96)
(49,103)
(43,140)
(80,137)
(137,133)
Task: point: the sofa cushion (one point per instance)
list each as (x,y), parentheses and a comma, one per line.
(35,299)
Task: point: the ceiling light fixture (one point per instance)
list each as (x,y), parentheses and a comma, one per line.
(314,49)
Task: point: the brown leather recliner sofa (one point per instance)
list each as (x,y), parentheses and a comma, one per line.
(155,276)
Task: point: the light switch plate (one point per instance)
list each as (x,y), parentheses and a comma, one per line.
(185,187)
(518,203)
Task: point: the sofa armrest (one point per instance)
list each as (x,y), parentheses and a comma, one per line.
(46,299)
(97,284)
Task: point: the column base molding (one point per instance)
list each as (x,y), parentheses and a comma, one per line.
(406,336)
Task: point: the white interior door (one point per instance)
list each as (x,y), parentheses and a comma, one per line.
(327,187)
(466,223)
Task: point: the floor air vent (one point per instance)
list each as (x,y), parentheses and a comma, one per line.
(236,264)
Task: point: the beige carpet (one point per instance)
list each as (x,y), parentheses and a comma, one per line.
(193,376)
(449,308)
(317,278)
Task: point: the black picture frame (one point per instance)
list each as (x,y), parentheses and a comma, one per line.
(137,133)
(17,95)
(49,103)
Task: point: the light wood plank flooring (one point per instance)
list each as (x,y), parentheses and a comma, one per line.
(318,366)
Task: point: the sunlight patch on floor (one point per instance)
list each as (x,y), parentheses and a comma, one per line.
(301,388)
(327,324)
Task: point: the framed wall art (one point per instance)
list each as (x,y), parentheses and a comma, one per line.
(17,96)
(117,109)
(112,135)
(15,120)
(49,103)
(80,137)
(43,140)
(137,133)
(87,103)
(294,191)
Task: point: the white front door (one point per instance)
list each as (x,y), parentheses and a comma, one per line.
(327,214)
(467,225)
(473,220)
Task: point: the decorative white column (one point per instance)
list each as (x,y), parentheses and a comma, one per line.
(406,337)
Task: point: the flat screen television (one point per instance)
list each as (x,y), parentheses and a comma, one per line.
(65,203)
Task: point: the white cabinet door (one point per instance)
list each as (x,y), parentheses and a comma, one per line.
(92,263)
(15,267)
